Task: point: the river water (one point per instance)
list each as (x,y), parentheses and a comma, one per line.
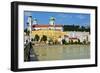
(62,52)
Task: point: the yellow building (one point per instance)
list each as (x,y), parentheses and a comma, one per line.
(54,35)
(51,30)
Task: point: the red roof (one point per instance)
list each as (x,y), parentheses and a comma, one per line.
(66,36)
(46,25)
(73,38)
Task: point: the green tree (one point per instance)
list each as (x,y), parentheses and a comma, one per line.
(44,38)
(84,42)
(50,41)
(71,42)
(79,41)
(36,38)
(64,42)
(75,42)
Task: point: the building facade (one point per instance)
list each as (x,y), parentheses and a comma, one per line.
(55,31)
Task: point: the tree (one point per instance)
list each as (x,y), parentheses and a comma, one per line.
(76,28)
(36,38)
(84,42)
(75,42)
(71,42)
(79,41)
(50,41)
(44,38)
(64,42)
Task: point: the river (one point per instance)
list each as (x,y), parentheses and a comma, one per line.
(62,52)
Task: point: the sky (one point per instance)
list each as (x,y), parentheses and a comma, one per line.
(81,19)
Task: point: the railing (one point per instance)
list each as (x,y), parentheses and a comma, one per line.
(29,54)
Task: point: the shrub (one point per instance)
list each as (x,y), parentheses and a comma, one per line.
(64,42)
(36,38)
(44,38)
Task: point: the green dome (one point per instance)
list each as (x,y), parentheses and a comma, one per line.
(52,18)
(35,19)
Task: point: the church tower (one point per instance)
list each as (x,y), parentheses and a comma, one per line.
(29,23)
(29,26)
(35,21)
(52,21)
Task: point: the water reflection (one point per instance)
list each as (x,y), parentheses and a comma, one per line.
(59,52)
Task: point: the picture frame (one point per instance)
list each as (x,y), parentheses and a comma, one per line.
(19,58)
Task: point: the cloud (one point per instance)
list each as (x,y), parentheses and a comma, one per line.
(27,13)
(80,16)
(63,15)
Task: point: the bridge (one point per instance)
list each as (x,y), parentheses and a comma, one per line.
(29,53)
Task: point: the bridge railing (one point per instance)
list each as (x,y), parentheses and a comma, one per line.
(26,52)
(29,53)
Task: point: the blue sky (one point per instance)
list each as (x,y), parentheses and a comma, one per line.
(61,18)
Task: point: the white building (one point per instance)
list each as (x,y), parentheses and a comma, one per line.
(77,35)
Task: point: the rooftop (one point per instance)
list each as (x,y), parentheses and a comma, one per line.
(44,25)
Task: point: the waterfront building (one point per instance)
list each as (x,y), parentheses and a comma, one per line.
(55,31)
(51,30)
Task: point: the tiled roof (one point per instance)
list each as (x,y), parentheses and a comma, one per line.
(66,36)
(73,38)
(46,25)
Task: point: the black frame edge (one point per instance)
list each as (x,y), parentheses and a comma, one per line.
(56,67)
(54,4)
(96,36)
(14,36)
